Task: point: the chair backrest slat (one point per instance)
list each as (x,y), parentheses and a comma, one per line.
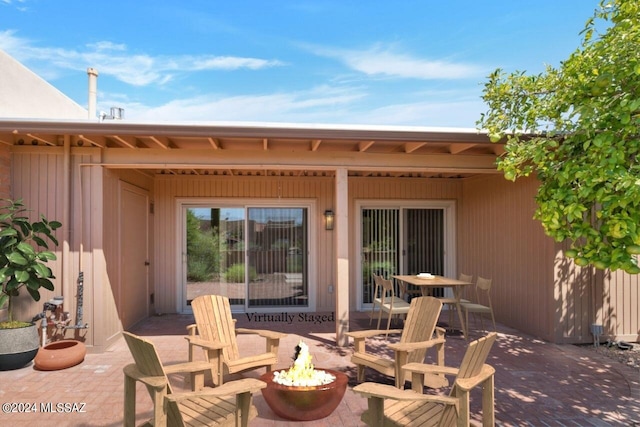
(145,356)
(213,318)
(420,324)
(476,356)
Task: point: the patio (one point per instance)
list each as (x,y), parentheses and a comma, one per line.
(537,383)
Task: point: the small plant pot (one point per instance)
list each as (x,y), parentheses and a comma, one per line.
(304,403)
(60,355)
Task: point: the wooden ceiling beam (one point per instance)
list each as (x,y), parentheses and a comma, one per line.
(410,147)
(128,142)
(160,143)
(315,144)
(459,148)
(498,149)
(37,138)
(90,141)
(214,143)
(265,144)
(365,145)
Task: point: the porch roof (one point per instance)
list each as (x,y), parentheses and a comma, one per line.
(276,148)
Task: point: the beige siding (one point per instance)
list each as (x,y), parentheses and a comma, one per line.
(35,180)
(617,305)
(5,172)
(499,240)
(39,178)
(112,321)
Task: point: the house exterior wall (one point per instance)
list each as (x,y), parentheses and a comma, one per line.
(500,240)
(35,180)
(39,177)
(535,289)
(27,95)
(616,304)
(168,189)
(5,172)
(321,189)
(399,189)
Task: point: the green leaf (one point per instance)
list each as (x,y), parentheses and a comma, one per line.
(47,284)
(47,256)
(35,294)
(8,232)
(42,270)
(22,276)
(26,249)
(17,258)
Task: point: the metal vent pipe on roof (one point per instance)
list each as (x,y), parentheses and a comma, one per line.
(117,113)
(93,96)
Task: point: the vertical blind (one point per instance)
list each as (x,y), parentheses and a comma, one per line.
(380,242)
(419,231)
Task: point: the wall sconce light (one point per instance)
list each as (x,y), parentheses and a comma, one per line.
(329,216)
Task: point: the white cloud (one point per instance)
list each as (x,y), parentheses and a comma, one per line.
(17,4)
(322,104)
(380,61)
(277,107)
(455,113)
(107,45)
(112,59)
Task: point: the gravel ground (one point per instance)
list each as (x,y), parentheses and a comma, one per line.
(629,357)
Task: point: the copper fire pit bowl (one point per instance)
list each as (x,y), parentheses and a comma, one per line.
(299,403)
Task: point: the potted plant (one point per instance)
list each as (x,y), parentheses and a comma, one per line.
(24,252)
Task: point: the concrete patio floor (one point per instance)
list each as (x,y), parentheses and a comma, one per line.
(536,383)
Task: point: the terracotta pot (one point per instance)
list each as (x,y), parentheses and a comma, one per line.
(60,355)
(304,403)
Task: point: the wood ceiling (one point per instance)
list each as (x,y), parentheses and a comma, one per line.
(388,145)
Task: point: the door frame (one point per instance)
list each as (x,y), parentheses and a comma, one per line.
(226,202)
(449,227)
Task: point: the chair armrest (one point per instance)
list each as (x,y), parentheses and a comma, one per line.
(187,367)
(192,329)
(209,345)
(273,335)
(246,385)
(385,391)
(467,384)
(411,346)
(425,368)
(372,333)
(132,371)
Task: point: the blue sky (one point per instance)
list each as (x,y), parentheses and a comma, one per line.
(407,63)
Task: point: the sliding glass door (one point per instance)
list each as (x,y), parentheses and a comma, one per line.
(255,255)
(404,240)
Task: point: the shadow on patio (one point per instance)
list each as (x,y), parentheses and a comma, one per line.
(537,383)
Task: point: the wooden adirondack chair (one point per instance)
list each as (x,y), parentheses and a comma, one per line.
(227,405)
(412,408)
(215,332)
(419,334)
